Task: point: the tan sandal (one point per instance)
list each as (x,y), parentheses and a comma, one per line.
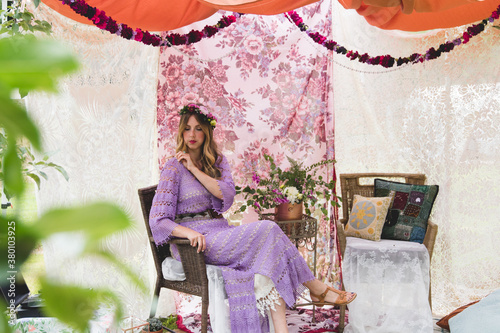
(343,298)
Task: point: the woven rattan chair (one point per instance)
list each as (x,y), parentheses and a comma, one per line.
(196,282)
(351,184)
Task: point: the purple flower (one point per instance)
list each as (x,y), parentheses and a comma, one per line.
(111,26)
(255,178)
(210,30)
(127,31)
(194,36)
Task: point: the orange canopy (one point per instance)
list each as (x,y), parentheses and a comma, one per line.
(161,15)
(419,15)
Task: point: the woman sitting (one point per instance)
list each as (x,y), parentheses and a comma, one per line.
(195,187)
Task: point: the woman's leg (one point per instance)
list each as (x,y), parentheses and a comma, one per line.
(316,287)
(279,317)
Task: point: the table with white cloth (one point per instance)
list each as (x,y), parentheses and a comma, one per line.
(391,279)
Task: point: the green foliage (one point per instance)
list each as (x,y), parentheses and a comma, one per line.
(33,64)
(25,64)
(17,20)
(155,324)
(294,185)
(170,322)
(84,302)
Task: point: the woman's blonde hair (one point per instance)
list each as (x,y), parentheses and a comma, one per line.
(209,153)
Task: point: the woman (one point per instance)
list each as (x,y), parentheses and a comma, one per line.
(195,187)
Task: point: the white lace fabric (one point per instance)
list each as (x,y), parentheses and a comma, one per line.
(391,279)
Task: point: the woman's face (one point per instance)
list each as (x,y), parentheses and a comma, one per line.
(193,134)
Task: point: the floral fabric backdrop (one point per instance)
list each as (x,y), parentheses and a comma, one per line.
(271,92)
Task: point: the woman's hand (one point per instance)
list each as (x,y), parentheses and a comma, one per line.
(185,159)
(197,240)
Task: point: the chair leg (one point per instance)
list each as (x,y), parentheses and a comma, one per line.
(154,302)
(342,318)
(204,314)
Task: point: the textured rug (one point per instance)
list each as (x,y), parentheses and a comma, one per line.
(299,321)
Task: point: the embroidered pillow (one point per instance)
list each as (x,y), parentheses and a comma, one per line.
(410,209)
(367,217)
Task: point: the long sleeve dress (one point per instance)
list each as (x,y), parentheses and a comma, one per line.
(241,251)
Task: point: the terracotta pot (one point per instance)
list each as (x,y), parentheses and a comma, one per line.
(288,212)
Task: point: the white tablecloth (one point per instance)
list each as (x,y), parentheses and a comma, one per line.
(392,282)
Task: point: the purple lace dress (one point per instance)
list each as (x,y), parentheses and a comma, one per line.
(241,252)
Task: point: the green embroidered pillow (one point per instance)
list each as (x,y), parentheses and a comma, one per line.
(367,217)
(410,209)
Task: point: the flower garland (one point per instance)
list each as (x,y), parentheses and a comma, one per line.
(202,111)
(100,20)
(388,61)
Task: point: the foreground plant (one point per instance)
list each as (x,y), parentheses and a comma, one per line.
(30,64)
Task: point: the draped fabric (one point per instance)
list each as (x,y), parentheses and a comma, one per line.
(159,15)
(420,15)
(100,127)
(408,15)
(442,119)
(271,93)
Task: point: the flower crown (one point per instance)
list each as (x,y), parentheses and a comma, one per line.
(202,111)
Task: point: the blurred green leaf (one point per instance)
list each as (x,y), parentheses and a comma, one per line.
(23,241)
(34,64)
(75,305)
(16,121)
(35,178)
(12,166)
(98,220)
(4,320)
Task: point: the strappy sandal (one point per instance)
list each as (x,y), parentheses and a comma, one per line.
(343,298)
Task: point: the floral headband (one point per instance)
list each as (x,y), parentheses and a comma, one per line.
(202,111)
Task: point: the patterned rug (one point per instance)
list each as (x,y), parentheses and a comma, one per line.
(299,321)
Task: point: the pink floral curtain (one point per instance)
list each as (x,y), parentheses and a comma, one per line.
(270,89)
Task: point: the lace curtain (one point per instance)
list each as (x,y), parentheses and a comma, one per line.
(439,118)
(100,127)
(271,92)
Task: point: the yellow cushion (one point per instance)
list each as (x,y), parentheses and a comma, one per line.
(367,217)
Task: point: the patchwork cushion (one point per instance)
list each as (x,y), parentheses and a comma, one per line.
(367,217)
(408,215)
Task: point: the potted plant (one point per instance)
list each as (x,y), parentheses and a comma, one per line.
(155,325)
(289,189)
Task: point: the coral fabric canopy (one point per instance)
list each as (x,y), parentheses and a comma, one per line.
(408,15)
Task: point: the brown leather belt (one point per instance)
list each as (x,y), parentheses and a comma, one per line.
(210,213)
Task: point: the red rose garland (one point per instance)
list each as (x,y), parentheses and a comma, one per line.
(100,20)
(388,60)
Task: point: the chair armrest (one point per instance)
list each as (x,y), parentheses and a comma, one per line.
(192,262)
(430,237)
(341,235)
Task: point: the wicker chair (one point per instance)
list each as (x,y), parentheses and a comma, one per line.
(196,282)
(350,185)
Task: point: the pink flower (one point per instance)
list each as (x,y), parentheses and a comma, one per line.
(253,44)
(138,35)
